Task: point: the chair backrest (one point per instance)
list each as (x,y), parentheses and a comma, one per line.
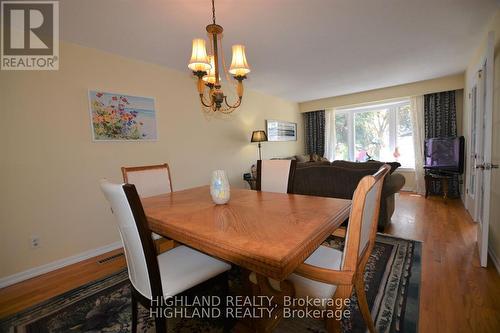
(275,175)
(150,180)
(362,227)
(138,245)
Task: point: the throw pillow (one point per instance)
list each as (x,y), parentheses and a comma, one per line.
(303,158)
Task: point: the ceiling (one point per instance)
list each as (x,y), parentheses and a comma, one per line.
(297,49)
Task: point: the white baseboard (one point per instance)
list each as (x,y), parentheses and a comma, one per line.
(495,259)
(51,266)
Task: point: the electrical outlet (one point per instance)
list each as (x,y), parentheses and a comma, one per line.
(35,242)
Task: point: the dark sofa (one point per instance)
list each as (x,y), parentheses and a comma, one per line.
(339,179)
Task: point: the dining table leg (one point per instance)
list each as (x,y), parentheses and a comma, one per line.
(261,286)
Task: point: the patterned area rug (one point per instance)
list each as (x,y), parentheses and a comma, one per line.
(392,285)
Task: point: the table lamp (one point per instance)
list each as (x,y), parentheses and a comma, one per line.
(259,136)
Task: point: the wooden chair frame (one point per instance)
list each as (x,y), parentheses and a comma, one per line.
(149,249)
(126,170)
(352,273)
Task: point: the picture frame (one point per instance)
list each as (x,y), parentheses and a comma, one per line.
(122,117)
(278,130)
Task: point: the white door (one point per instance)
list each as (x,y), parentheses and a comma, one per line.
(483,166)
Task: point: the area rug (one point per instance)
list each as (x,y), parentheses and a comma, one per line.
(392,280)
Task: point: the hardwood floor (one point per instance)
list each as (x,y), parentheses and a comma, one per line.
(19,296)
(457,295)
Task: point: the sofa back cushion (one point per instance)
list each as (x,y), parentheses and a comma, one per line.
(328,181)
(372,165)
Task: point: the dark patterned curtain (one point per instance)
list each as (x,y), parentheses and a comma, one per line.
(314,126)
(440,116)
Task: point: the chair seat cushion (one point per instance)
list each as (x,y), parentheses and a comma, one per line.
(182,268)
(324,257)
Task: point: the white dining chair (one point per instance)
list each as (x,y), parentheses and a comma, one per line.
(154,276)
(275,175)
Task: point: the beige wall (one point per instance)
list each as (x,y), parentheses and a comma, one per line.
(50,167)
(494,231)
(453,82)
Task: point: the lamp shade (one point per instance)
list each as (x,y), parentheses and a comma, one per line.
(258,136)
(239,65)
(199,59)
(210,77)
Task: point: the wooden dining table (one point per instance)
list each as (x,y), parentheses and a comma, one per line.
(262,232)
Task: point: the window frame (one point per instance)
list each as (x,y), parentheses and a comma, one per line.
(391,106)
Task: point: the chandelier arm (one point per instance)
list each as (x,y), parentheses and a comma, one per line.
(235,105)
(202,100)
(201,92)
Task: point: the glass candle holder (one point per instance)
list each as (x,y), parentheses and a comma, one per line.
(219,187)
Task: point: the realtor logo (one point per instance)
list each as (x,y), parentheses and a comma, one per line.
(30,35)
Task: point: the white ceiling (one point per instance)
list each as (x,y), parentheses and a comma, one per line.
(297,49)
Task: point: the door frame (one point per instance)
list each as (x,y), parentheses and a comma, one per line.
(484,146)
(470,193)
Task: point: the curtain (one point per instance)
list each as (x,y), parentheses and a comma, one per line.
(440,116)
(330,136)
(314,125)
(417,119)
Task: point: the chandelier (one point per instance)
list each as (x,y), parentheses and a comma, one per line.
(206,68)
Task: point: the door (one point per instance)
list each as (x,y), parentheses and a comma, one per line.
(483,166)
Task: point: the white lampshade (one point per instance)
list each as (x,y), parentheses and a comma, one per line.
(239,65)
(210,77)
(199,59)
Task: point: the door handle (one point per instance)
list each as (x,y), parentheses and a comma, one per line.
(487,166)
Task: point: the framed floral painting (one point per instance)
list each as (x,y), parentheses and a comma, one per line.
(119,117)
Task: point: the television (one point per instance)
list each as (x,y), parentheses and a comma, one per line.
(445,154)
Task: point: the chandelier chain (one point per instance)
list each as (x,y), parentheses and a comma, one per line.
(213,11)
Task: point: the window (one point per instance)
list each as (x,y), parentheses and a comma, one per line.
(381,132)
(342,137)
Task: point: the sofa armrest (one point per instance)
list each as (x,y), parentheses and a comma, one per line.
(393,183)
